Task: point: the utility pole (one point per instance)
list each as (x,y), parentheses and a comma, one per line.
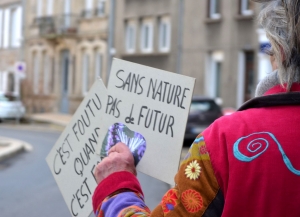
(111,32)
(180,36)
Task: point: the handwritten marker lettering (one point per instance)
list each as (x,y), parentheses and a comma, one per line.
(130,119)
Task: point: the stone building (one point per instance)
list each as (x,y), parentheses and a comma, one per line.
(65,50)
(10,47)
(215,41)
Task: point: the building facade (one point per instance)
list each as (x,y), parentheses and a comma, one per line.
(10,47)
(214,41)
(65,49)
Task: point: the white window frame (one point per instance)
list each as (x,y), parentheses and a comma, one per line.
(101,4)
(147,37)
(85,72)
(88,13)
(16,26)
(213,14)
(50,7)
(39,8)
(98,64)
(67,11)
(244,8)
(130,37)
(6,28)
(213,59)
(1,27)
(164,34)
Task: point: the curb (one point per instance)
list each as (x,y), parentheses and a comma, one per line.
(10,147)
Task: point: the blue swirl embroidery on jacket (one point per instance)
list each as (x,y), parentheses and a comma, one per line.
(197,140)
(256,145)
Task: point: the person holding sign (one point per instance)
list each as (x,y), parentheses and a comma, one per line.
(244,164)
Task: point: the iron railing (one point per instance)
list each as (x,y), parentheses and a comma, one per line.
(56,26)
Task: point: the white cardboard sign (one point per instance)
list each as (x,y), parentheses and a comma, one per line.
(156,104)
(152,102)
(74,155)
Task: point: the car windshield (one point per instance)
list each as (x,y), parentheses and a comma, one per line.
(203,106)
(4,98)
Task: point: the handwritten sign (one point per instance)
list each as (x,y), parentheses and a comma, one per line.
(150,105)
(74,156)
(156,104)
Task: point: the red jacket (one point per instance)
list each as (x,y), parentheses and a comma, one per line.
(255,155)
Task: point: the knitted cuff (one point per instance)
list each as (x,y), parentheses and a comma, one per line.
(113,183)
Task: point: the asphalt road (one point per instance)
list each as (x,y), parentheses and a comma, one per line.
(27,187)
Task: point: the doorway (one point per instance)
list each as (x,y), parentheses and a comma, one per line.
(65,61)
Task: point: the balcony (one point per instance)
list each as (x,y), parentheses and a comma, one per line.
(57,26)
(88,14)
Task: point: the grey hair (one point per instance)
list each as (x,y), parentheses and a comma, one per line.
(281,21)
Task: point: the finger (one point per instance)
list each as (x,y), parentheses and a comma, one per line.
(122,148)
(119,148)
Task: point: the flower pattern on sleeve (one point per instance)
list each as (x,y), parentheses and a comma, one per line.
(169,200)
(193,170)
(192,200)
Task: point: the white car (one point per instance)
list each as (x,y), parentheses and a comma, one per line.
(10,107)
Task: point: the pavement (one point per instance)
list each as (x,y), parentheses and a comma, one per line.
(57,121)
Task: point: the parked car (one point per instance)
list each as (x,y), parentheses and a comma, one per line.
(203,112)
(11,107)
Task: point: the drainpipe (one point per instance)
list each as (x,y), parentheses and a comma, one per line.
(110,47)
(180,36)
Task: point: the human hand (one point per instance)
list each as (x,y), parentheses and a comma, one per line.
(119,159)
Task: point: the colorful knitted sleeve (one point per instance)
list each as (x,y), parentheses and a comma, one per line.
(196,192)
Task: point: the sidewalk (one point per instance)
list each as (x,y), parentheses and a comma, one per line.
(52,118)
(10,147)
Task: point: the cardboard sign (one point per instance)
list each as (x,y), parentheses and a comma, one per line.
(154,103)
(75,154)
(143,107)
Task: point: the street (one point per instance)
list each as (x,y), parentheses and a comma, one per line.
(27,187)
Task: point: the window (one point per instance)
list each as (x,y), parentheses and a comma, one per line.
(6,28)
(100,11)
(15,27)
(98,64)
(49,7)
(246,74)
(214,9)
(67,11)
(249,75)
(164,34)
(39,8)
(1,27)
(12,26)
(11,83)
(36,68)
(147,36)
(52,76)
(130,36)
(246,7)
(47,68)
(214,74)
(88,12)
(85,72)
